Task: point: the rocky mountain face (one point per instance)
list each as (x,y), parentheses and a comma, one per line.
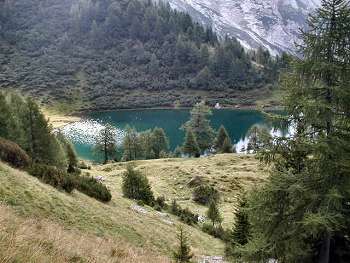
(273,24)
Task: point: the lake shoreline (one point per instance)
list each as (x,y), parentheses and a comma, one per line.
(59,120)
(83,113)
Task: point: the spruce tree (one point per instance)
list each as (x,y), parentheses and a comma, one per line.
(223,142)
(190,145)
(183,253)
(106,143)
(199,124)
(302,213)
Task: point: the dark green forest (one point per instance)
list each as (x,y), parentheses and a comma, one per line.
(107,54)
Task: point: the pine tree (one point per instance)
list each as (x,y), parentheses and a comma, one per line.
(302,213)
(190,145)
(223,142)
(183,253)
(106,143)
(213,213)
(200,126)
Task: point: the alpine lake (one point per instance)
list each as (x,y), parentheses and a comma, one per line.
(82,134)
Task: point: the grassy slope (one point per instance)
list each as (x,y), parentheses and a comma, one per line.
(116,221)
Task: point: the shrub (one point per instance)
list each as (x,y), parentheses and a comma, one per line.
(216,231)
(160,202)
(91,187)
(13,154)
(136,186)
(53,176)
(185,215)
(204,194)
(188,217)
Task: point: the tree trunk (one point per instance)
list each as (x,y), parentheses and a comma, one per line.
(325,249)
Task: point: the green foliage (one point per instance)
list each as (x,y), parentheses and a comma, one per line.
(136,186)
(106,143)
(23,123)
(159,142)
(204,194)
(213,213)
(91,187)
(302,213)
(240,233)
(190,145)
(216,231)
(199,124)
(258,137)
(53,176)
(223,142)
(146,47)
(160,202)
(183,253)
(185,215)
(71,154)
(11,153)
(132,145)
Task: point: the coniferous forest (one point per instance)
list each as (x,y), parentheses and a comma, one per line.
(124,54)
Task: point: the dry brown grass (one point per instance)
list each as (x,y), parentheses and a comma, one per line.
(76,228)
(33,240)
(231,174)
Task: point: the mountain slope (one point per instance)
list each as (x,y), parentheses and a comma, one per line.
(122,54)
(116,223)
(273,24)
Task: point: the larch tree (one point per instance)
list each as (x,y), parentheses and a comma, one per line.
(302,214)
(213,213)
(183,253)
(106,143)
(199,124)
(223,142)
(190,145)
(159,142)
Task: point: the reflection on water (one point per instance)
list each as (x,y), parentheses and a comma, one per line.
(236,122)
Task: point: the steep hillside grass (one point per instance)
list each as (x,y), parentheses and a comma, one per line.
(231,174)
(76,216)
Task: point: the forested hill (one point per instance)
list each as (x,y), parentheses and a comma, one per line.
(121,54)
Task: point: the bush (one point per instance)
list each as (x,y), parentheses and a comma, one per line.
(204,194)
(216,231)
(91,187)
(160,202)
(136,186)
(13,154)
(185,215)
(53,176)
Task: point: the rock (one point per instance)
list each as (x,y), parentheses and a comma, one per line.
(211,259)
(139,209)
(201,219)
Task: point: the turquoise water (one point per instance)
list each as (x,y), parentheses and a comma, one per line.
(237,123)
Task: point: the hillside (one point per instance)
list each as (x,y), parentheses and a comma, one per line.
(113,54)
(117,229)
